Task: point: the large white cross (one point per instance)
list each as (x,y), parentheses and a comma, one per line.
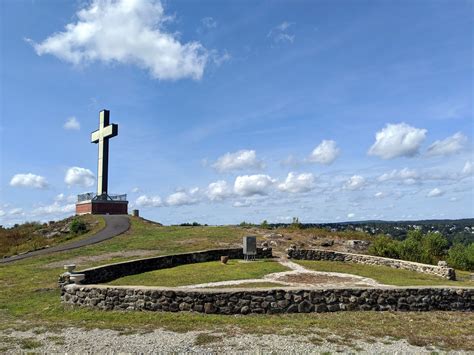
(102,136)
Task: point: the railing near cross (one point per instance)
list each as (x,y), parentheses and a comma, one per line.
(89,196)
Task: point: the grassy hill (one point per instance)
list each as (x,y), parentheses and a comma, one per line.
(29,296)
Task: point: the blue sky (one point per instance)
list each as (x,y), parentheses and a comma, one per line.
(240,110)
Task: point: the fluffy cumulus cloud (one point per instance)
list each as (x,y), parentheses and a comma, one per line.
(219,190)
(350,215)
(29,180)
(148,201)
(72,124)
(248,185)
(77,176)
(325,153)
(128,32)
(54,209)
(397,140)
(405,175)
(448,146)
(435,192)
(295,183)
(182,198)
(355,182)
(468,169)
(242,159)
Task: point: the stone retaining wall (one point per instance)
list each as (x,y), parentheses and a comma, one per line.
(268,301)
(111,272)
(318,254)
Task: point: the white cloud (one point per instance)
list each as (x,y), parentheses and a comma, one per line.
(2,213)
(146,201)
(29,180)
(280,33)
(218,190)
(406,175)
(63,198)
(181,198)
(56,209)
(447,146)
(135,190)
(379,194)
(468,168)
(239,204)
(79,176)
(325,153)
(248,185)
(209,22)
(127,32)
(435,192)
(295,183)
(397,140)
(356,182)
(72,124)
(16,211)
(242,159)
(350,215)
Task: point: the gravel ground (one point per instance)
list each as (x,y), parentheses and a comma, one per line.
(99,341)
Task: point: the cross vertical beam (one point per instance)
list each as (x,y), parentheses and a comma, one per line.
(102,136)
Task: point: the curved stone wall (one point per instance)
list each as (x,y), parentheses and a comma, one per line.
(246,301)
(106,273)
(318,254)
(268,301)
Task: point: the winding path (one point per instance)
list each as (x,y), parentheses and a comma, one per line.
(114,226)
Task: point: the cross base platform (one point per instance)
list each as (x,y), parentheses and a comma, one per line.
(102,207)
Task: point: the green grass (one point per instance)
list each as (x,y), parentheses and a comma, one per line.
(29,298)
(213,271)
(387,275)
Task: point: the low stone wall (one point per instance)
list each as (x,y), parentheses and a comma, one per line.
(106,273)
(268,301)
(318,254)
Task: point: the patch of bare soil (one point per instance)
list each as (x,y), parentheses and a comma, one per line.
(311,279)
(83,260)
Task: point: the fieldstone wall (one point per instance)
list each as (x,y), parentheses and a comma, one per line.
(318,254)
(106,273)
(268,301)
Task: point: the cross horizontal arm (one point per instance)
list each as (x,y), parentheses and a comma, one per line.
(110,131)
(95,136)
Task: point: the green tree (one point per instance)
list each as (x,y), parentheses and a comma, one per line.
(264,224)
(386,247)
(434,247)
(461,256)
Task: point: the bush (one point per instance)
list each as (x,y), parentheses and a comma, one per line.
(461,256)
(77,226)
(386,247)
(296,223)
(264,225)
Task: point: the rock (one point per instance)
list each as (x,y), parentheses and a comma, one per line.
(327,243)
(244,310)
(52,234)
(305,307)
(442,263)
(209,308)
(224,259)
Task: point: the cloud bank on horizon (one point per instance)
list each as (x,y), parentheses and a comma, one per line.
(210,105)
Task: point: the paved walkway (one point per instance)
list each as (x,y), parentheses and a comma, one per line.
(114,225)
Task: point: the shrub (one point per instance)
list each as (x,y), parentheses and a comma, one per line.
(296,223)
(264,224)
(77,226)
(386,247)
(461,256)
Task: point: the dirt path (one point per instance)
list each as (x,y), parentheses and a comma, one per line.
(114,226)
(299,276)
